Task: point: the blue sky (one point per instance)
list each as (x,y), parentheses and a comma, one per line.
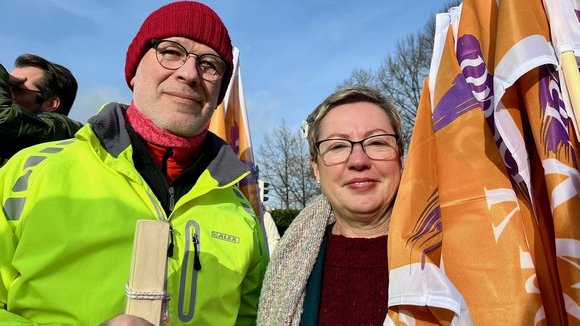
(292,53)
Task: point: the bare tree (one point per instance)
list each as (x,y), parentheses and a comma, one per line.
(401,76)
(402,73)
(303,182)
(360,77)
(284,163)
(274,163)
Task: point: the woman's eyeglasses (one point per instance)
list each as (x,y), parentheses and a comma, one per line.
(377,147)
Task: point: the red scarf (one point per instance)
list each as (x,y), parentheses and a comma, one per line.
(159,142)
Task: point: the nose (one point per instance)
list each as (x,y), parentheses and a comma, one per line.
(189,71)
(358,159)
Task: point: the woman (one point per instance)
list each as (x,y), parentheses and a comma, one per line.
(330,267)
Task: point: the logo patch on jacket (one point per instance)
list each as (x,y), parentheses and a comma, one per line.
(225,237)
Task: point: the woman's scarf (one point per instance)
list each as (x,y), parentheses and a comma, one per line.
(283,289)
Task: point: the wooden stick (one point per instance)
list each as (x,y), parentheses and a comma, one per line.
(146,286)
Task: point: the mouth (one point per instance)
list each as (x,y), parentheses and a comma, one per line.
(360,182)
(187,97)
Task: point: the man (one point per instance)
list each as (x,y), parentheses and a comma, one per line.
(69,208)
(54,87)
(34,103)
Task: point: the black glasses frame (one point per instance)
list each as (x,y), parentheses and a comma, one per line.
(155,44)
(352,143)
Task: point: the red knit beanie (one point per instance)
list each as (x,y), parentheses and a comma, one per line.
(189,19)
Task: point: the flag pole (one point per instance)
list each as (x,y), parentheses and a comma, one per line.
(572,77)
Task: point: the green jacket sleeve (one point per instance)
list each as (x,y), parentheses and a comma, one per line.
(20,128)
(7,248)
(252,283)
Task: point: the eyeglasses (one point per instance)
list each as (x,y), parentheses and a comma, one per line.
(172,55)
(17,90)
(377,147)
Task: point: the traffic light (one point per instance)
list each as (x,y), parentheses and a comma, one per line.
(263,190)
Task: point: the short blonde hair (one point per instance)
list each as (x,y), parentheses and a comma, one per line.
(347,95)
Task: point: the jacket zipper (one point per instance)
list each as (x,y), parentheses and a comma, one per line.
(171,241)
(189,272)
(171,191)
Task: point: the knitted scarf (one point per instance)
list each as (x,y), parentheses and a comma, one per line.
(283,289)
(184,150)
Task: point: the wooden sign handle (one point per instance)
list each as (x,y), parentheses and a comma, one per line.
(146,287)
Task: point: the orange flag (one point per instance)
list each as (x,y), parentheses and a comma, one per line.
(230,122)
(218,121)
(483,228)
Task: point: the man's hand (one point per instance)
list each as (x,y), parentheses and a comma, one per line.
(16,80)
(127,320)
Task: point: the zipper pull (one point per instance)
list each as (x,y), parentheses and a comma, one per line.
(171,243)
(196,262)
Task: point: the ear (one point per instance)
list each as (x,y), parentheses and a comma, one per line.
(132,82)
(315,170)
(50,105)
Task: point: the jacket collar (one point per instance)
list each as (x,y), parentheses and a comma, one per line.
(109,127)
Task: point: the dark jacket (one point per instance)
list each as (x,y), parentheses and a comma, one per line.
(20,128)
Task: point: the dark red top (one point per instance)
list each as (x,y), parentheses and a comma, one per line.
(355,281)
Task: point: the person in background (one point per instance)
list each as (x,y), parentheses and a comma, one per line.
(35,100)
(271,229)
(70,208)
(330,267)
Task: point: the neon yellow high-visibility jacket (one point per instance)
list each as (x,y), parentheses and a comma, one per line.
(67,224)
